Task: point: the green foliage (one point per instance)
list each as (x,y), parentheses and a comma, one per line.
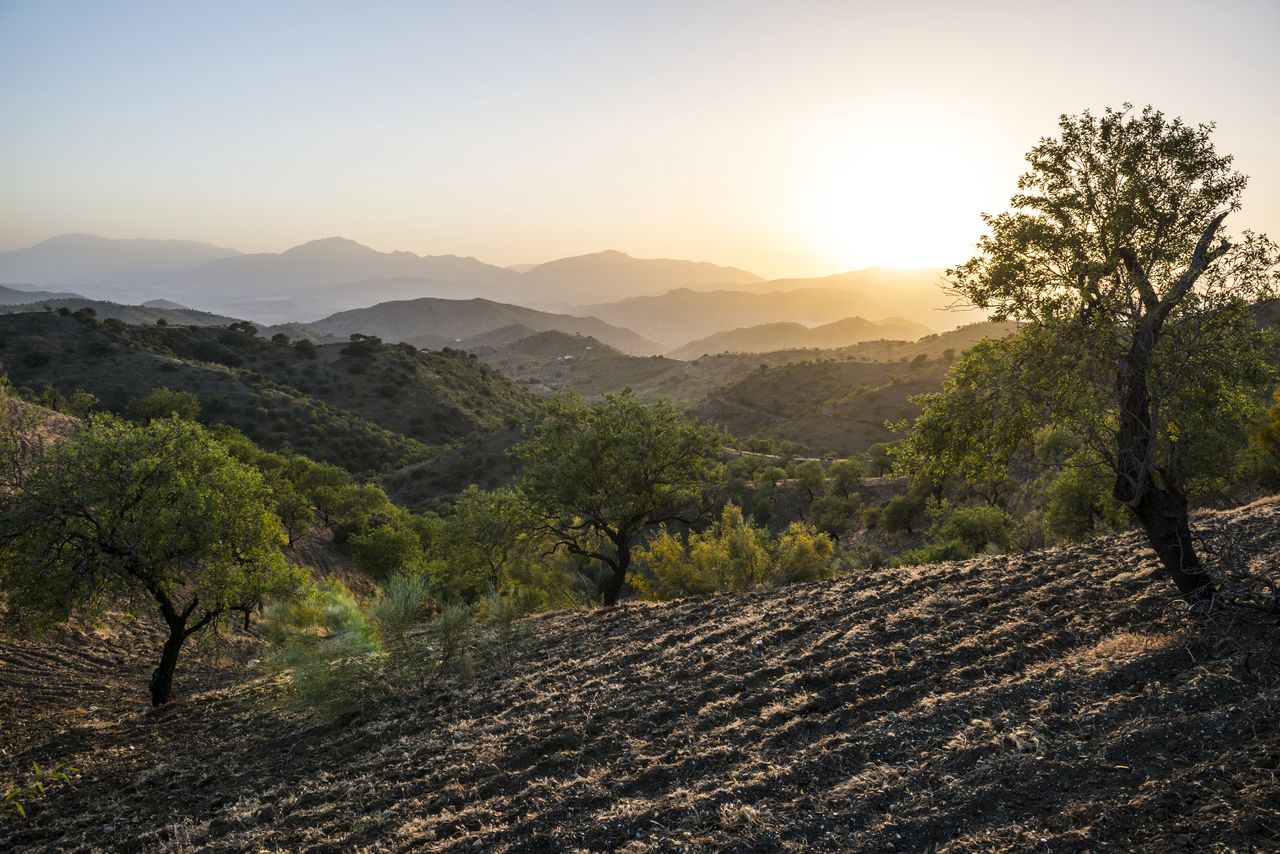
(1266,440)
(801,553)
(120,513)
(18,796)
(1078,502)
(846,477)
(327,644)
(732,554)
(959,533)
(899,513)
(596,477)
(812,478)
(486,535)
(126,516)
(387,550)
(165,403)
(833,514)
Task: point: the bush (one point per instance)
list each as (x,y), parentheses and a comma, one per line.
(326,643)
(832,514)
(732,554)
(802,554)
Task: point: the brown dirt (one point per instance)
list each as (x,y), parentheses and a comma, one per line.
(1052,701)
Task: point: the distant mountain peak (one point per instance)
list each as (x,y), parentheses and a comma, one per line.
(329,245)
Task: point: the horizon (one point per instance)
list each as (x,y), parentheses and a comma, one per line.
(791,144)
(512,267)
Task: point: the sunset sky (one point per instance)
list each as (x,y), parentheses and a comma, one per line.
(786,138)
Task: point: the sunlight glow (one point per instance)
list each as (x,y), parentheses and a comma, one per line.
(902,197)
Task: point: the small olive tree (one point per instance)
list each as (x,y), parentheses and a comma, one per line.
(122,516)
(598,477)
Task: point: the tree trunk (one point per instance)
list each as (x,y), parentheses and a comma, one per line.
(1164,518)
(162,678)
(1160,509)
(613,584)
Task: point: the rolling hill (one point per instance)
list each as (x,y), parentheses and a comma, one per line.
(367,407)
(21,296)
(1056,700)
(768,337)
(833,408)
(438,323)
(133,314)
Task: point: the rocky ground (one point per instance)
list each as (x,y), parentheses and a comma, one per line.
(1059,700)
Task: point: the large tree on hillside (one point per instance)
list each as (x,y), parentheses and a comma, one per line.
(1138,333)
(597,477)
(122,516)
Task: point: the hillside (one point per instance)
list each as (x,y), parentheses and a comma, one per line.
(768,337)
(131,314)
(20,296)
(436,323)
(832,408)
(1057,700)
(367,407)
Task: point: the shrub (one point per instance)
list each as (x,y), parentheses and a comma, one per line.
(329,647)
(732,554)
(13,804)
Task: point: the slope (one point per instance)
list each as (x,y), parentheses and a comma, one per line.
(367,407)
(1056,700)
(834,408)
(132,314)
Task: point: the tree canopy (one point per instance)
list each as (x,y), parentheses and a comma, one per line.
(597,476)
(1137,334)
(128,517)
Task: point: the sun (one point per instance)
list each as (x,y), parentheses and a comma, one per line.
(905,199)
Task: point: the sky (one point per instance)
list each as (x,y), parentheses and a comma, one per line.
(791,139)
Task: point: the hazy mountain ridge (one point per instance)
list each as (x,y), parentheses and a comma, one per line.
(435,323)
(322,277)
(19,296)
(71,259)
(684,315)
(768,337)
(580,277)
(132,314)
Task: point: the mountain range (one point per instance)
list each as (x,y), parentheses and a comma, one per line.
(333,274)
(668,301)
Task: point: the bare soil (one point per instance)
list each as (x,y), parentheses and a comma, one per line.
(1057,701)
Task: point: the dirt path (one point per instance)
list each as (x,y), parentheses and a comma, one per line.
(1052,701)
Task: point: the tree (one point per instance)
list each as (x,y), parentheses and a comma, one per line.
(597,477)
(484,534)
(812,478)
(1137,334)
(125,516)
(164,402)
